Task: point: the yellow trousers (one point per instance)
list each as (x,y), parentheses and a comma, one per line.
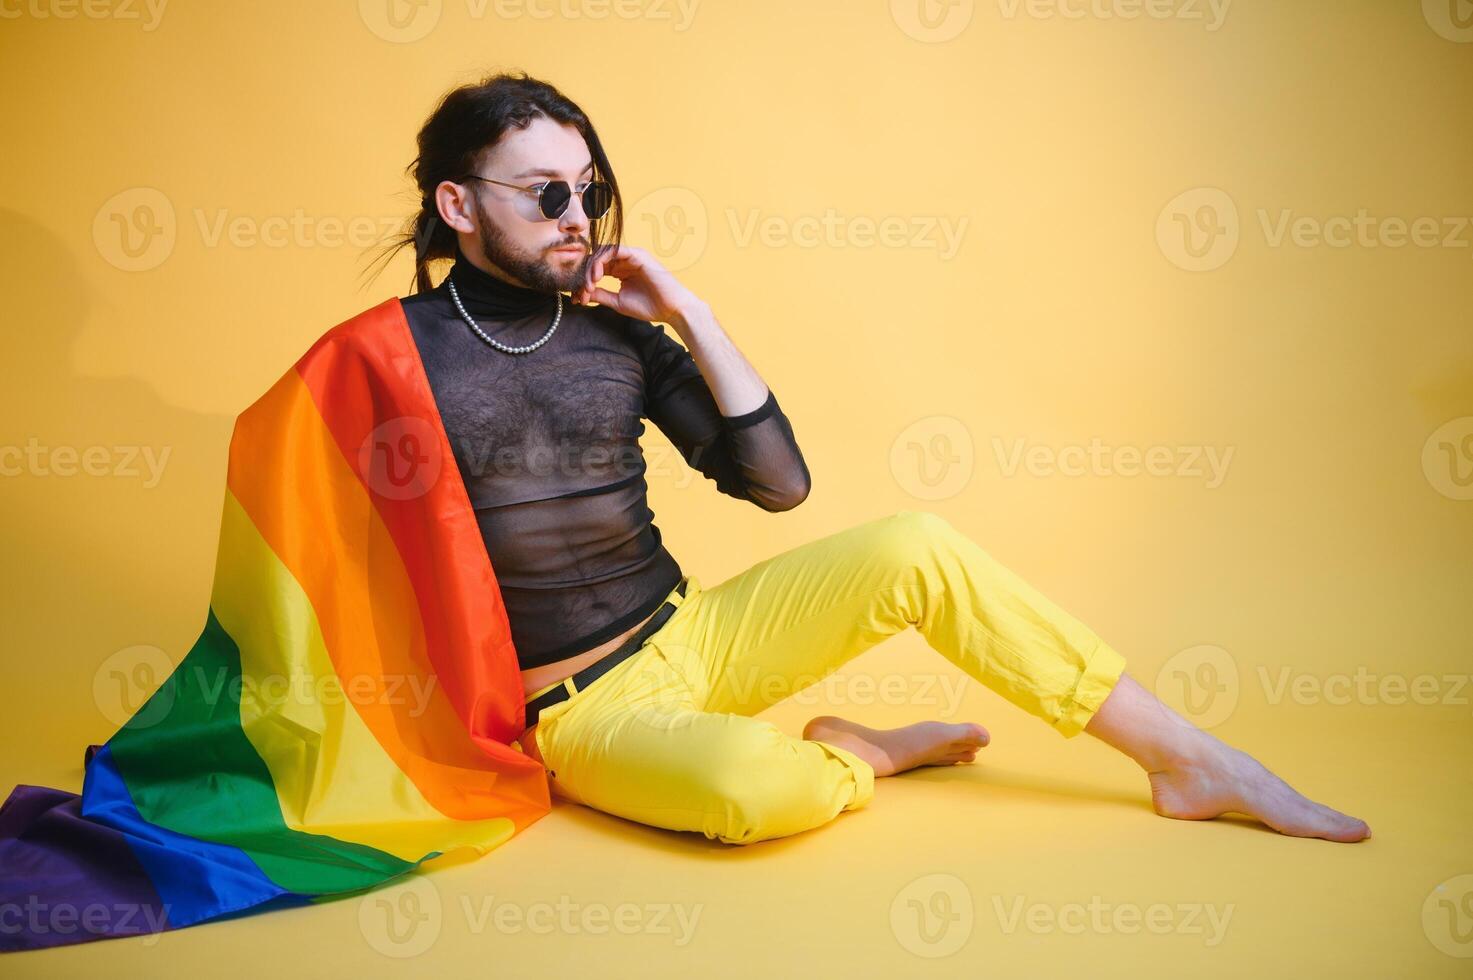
(667,737)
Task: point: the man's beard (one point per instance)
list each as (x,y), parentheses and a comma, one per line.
(535,270)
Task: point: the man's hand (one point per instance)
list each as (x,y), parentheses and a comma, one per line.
(647,290)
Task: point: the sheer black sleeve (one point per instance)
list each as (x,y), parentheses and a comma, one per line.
(752,456)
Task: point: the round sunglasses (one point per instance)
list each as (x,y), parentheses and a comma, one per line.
(553,196)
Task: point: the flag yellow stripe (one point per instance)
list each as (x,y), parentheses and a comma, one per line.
(331,774)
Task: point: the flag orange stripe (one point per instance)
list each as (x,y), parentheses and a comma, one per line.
(309,510)
(466,628)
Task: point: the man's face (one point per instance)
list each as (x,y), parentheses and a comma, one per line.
(515,236)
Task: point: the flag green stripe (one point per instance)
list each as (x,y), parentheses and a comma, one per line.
(190,768)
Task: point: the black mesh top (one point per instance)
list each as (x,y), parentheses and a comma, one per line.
(547,443)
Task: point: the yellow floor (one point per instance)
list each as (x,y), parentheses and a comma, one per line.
(1042,859)
(1083,146)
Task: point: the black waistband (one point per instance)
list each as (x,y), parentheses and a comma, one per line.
(604,664)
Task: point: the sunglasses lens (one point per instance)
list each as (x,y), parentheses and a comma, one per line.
(598,197)
(555,198)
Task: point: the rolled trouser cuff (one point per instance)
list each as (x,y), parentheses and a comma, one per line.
(1096,681)
(864,773)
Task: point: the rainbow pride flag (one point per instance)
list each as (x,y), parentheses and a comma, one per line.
(349,708)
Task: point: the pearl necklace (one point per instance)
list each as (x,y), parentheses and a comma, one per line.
(455,298)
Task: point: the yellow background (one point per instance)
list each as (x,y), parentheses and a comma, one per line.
(1060,317)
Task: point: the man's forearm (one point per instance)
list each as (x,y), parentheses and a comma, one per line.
(734,382)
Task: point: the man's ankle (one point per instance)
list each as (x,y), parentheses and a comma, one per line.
(1190,748)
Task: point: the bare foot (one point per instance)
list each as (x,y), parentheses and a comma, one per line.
(888,751)
(1196,776)
(1217,778)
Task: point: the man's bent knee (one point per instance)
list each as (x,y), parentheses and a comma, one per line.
(909,538)
(762,788)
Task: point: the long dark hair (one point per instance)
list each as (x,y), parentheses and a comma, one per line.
(470,120)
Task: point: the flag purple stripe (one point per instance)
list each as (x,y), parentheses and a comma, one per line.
(90,867)
(67,876)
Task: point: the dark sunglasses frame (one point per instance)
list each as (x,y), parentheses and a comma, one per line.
(561,195)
